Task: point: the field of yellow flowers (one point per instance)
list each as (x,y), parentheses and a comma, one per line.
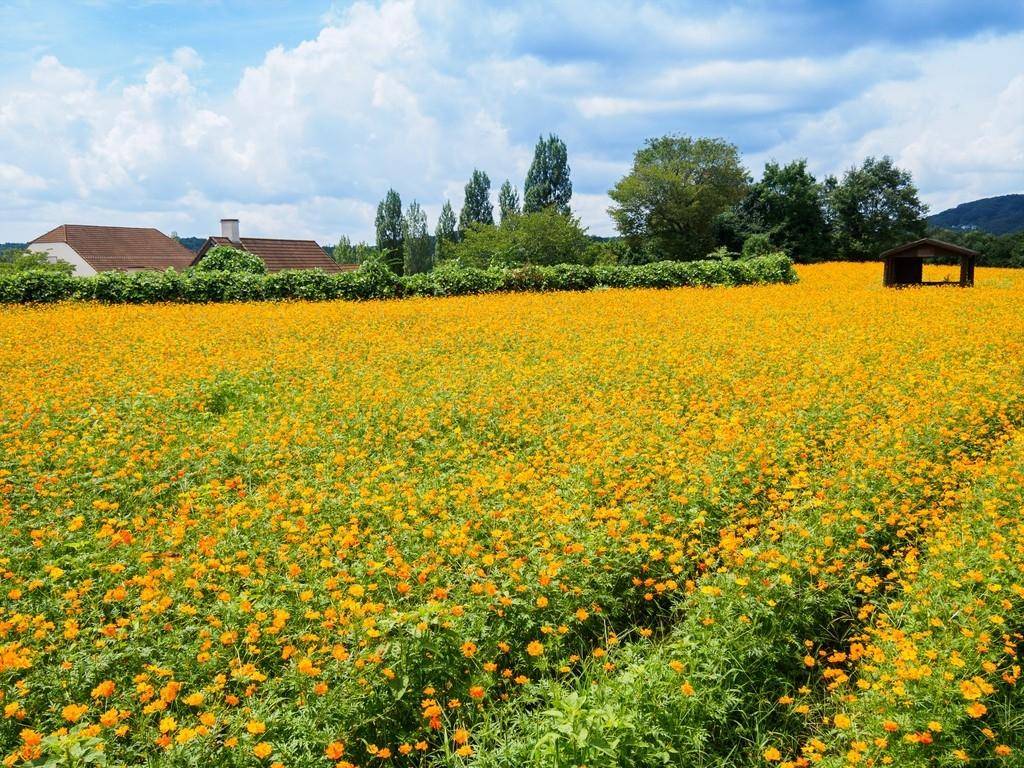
(762,526)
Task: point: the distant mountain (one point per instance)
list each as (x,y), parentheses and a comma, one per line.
(999,215)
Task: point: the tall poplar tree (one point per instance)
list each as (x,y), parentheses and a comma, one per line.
(477,207)
(508,202)
(445,234)
(547,182)
(416,241)
(389,231)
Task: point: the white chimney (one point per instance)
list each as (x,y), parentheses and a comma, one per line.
(229,229)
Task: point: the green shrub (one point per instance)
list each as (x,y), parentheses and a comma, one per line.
(36,286)
(608,252)
(224,258)
(757,245)
(374,280)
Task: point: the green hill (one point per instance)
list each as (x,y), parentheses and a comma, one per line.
(999,215)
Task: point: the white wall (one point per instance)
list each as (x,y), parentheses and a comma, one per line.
(64,252)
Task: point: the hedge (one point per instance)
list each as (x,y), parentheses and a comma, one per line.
(376,281)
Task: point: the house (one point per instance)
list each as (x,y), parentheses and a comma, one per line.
(92,249)
(904,264)
(276,254)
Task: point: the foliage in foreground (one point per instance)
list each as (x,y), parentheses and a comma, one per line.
(224,258)
(374,280)
(769,527)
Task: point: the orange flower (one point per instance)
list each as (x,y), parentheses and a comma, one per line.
(104,690)
(263,750)
(74,712)
(977,709)
(31,738)
(335,750)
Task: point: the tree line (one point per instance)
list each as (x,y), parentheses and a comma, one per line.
(406,245)
(686,198)
(683,199)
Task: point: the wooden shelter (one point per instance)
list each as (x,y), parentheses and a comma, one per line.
(904,264)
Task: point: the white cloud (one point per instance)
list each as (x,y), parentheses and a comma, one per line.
(416,93)
(11,176)
(958,126)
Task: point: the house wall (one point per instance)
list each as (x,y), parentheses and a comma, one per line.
(64,252)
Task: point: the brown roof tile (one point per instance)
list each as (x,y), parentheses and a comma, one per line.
(120,248)
(283,254)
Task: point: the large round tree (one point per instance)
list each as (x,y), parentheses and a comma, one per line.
(875,207)
(666,205)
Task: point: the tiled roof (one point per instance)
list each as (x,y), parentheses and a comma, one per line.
(283,254)
(120,248)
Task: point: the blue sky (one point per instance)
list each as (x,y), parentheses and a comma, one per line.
(297,116)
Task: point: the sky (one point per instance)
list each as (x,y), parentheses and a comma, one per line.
(296,117)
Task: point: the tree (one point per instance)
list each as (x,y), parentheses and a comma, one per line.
(874,207)
(508,202)
(477,246)
(667,204)
(787,205)
(21,260)
(364,252)
(758,244)
(547,182)
(418,249)
(545,237)
(476,207)
(731,228)
(445,234)
(344,252)
(993,250)
(389,231)
(1017,255)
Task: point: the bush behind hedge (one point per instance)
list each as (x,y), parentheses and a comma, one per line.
(376,281)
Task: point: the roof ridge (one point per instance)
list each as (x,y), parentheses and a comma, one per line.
(113,226)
